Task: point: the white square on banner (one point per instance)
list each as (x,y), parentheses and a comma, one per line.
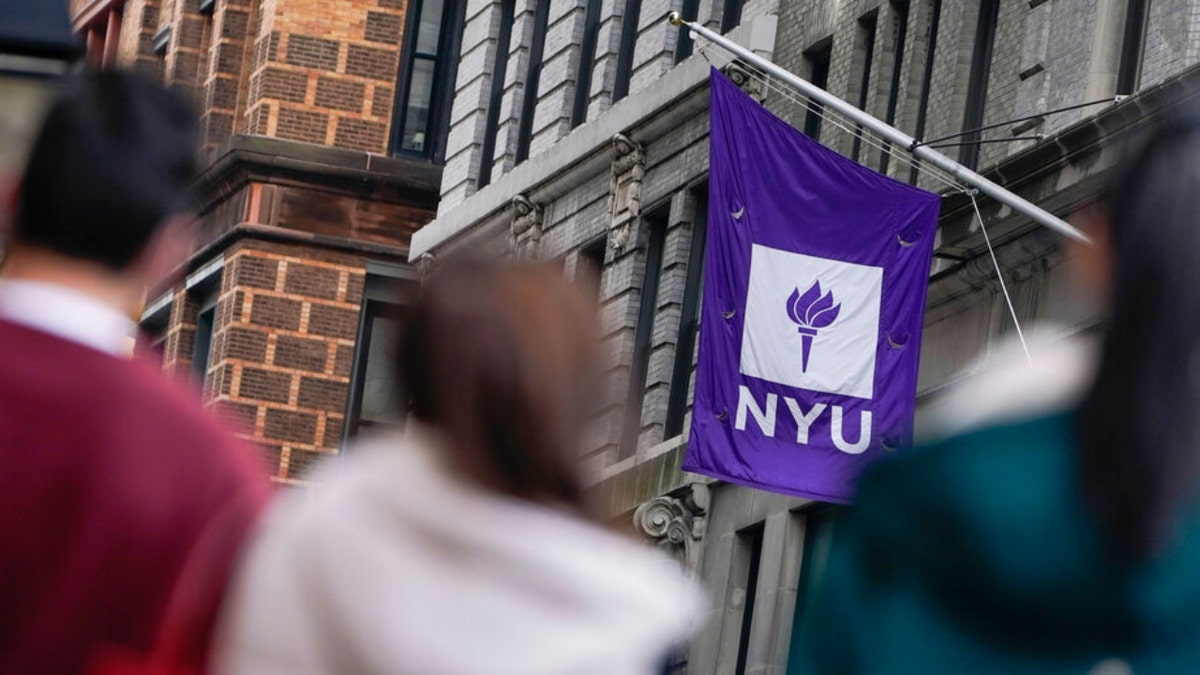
(812,323)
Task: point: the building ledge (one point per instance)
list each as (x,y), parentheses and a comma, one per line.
(244,158)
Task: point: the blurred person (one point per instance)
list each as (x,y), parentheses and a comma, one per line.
(121,501)
(464,544)
(1057,528)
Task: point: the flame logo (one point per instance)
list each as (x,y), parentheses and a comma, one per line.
(811,311)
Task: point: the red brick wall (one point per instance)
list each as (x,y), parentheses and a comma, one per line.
(325,72)
(223,86)
(188,45)
(139,22)
(318,71)
(283,348)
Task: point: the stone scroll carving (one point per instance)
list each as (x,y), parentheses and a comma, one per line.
(740,75)
(427,264)
(526,227)
(676,522)
(625,189)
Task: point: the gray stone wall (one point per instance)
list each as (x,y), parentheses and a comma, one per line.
(653,57)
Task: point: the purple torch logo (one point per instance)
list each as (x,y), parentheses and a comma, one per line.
(809,312)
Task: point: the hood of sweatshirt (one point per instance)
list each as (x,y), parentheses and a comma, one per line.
(394,565)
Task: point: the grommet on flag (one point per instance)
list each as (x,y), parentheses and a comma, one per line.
(729,314)
(723,415)
(905,244)
(894,344)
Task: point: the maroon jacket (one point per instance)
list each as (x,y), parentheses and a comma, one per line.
(119,498)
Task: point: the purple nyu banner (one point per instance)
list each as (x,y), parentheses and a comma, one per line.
(814,298)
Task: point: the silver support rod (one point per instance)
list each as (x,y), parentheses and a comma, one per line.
(888,132)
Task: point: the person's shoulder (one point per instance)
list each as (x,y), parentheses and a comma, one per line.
(972,485)
(990,455)
(1009,385)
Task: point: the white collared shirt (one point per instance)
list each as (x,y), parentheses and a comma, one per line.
(68,314)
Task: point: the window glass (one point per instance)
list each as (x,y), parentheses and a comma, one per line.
(430,31)
(425,82)
(731,17)
(629,34)
(203,343)
(419,98)
(380,394)
(488,150)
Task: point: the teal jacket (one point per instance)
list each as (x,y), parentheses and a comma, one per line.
(977,555)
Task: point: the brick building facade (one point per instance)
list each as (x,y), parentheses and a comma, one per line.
(320,160)
(579,133)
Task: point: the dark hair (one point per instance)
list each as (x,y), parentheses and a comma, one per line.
(114,158)
(500,360)
(1139,427)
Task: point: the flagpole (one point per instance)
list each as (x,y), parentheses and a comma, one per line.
(888,132)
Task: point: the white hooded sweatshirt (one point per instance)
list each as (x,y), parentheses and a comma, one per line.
(393,565)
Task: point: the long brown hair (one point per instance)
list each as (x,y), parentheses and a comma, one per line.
(500,360)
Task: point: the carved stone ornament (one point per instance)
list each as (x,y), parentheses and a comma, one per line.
(740,75)
(428,265)
(625,189)
(526,227)
(676,522)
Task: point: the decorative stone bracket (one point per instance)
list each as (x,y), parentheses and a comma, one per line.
(428,265)
(739,74)
(676,522)
(526,227)
(625,189)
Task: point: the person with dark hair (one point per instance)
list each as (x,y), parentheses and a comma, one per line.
(1059,532)
(122,502)
(466,545)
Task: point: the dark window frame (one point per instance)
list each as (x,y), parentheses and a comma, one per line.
(977,85)
(587,63)
(533,76)
(445,72)
(593,254)
(900,12)
(206,320)
(935,17)
(1133,46)
(499,70)
(160,40)
(685,45)
(689,319)
(819,58)
(153,327)
(867,29)
(385,295)
(372,309)
(731,15)
(752,539)
(656,221)
(628,43)
(206,293)
(595,251)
